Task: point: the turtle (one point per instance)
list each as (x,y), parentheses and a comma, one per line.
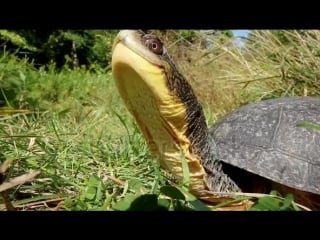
(256,148)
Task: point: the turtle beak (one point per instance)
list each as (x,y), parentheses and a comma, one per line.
(124,36)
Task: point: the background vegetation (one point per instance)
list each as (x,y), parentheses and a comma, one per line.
(60,112)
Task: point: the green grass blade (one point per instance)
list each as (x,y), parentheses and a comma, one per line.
(308,125)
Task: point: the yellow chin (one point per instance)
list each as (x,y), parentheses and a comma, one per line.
(126,61)
(142,85)
(160,115)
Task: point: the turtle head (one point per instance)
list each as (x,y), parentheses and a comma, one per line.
(162,103)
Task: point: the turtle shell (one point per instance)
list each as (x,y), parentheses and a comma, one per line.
(263,138)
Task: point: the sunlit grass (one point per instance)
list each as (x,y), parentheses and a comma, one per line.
(91,154)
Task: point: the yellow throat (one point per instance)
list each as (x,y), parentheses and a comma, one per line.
(141,75)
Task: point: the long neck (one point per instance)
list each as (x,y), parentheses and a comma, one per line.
(204,146)
(205,170)
(198,134)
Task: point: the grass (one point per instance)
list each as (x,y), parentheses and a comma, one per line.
(79,128)
(68,150)
(226,77)
(77,132)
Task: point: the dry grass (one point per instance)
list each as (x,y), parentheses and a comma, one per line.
(226,77)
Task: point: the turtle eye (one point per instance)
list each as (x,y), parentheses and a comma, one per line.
(154,45)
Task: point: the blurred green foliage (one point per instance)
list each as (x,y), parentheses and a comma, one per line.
(61,47)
